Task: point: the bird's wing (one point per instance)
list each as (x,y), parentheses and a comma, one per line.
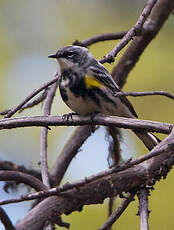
(102,75)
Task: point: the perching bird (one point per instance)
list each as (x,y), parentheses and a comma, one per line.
(88,88)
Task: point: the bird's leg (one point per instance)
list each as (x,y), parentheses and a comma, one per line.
(93,116)
(68,116)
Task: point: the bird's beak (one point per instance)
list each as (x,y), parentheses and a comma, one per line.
(60,60)
(53,56)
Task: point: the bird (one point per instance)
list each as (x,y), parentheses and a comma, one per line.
(87,88)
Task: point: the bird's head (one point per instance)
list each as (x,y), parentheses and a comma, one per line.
(70,56)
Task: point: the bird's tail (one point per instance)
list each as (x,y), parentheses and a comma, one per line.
(149,140)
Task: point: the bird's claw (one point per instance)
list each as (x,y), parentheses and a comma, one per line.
(68,116)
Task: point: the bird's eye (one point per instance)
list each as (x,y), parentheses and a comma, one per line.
(71,55)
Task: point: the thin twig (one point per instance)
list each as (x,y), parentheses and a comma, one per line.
(31,95)
(100,38)
(143,208)
(44,139)
(31,104)
(44,134)
(120,122)
(37,101)
(117,213)
(148,93)
(43,157)
(136,29)
(4,112)
(152,26)
(110,208)
(6,220)
(166,145)
(12,175)
(8,165)
(110,205)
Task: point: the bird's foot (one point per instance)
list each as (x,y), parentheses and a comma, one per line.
(93,116)
(68,116)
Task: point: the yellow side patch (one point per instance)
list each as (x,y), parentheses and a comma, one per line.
(91,81)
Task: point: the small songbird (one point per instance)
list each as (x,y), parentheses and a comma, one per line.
(88,88)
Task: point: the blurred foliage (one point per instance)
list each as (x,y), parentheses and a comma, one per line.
(30,30)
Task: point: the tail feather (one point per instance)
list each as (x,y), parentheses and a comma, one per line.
(149,140)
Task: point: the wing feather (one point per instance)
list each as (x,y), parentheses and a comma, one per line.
(97,70)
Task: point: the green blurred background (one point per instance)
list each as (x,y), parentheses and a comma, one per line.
(30,31)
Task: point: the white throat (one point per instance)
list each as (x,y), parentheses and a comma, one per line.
(64,63)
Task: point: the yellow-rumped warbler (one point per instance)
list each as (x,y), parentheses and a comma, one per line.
(88,88)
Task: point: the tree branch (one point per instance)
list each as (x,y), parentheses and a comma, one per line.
(121,122)
(63,203)
(130,34)
(146,173)
(44,138)
(166,145)
(12,111)
(20,177)
(151,27)
(7,165)
(100,38)
(44,134)
(38,100)
(117,213)
(143,208)
(147,93)
(6,220)
(4,112)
